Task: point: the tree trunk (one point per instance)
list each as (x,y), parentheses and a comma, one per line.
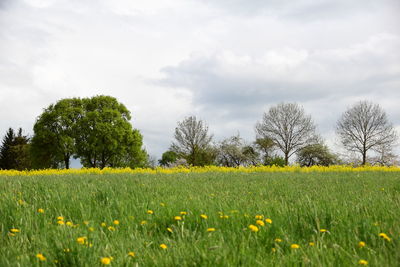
(364,160)
(66,161)
(286,159)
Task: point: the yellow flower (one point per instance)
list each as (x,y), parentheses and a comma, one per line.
(178,218)
(91,229)
(363,262)
(40,210)
(322,230)
(273,250)
(224,216)
(14,230)
(111,228)
(105,260)
(384,236)
(67,250)
(103,224)
(60,218)
(162,204)
(169,230)
(60,222)
(163,246)
(203,216)
(183,213)
(143,222)
(150,212)
(278,240)
(116,222)
(268,221)
(21,202)
(311,244)
(81,240)
(259,217)
(131,254)
(69,224)
(85,222)
(294,246)
(253,228)
(40,257)
(260,223)
(361,244)
(210,229)
(11,234)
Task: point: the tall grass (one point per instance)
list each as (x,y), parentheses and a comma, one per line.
(350,206)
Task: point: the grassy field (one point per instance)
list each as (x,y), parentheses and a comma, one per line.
(314,219)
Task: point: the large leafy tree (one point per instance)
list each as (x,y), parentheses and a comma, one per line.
(316,154)
(53,143)
(105,136)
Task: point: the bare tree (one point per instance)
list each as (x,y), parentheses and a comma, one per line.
(192,141)
(288,127)
(365,126)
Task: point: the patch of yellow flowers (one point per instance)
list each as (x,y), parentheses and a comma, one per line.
(206,169)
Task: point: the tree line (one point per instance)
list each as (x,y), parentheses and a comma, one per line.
(97,131)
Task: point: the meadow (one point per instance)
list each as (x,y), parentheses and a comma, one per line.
(281,217)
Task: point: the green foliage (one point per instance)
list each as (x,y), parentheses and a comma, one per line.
(352,207)
(96,130)
(275,160)
(168,158)
(15,151)
(316,154)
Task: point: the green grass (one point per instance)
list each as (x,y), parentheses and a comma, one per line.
(353,207)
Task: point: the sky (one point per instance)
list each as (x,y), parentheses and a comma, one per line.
(224,61)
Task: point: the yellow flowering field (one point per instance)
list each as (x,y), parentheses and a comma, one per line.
(261,216)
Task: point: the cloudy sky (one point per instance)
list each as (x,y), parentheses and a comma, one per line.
(225,61)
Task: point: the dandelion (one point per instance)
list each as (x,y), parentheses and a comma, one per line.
(131,254)
(81,240)
(311,244)
(40,257)
(143,222)
(224,216)
(111,228)
(105,260)
(183,213)
(150,212)
(259,217)
(178,218)
(60,218)
(253,228)
(116,222)
(60,222)
(323,230)
(260,223)
(210,229)
(103,224)
(278,240)
(163,246)
(91,229)
(363,262)
(69,224)
(294,246)
(162,204)
(85,222)
(203,216)
(361,244)
(169,230)
(66,250)
(273,250)
(40,210)
(21,202)
(384,236)
(268,221)
(14,230)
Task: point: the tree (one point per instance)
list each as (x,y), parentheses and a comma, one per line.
(193,143)
(288,127)
(14,152)
(365,127)
(315,154)
(105,137)
(168,157)
(6,161)
(267,147)
(233,152)
(55,130)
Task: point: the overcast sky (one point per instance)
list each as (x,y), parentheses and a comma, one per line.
(225,61)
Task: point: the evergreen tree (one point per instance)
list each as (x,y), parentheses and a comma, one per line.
(5,150)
